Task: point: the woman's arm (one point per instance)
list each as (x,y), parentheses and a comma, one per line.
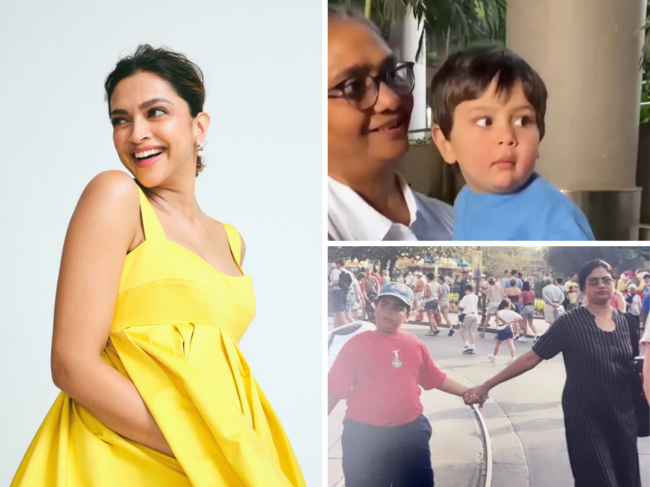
(101,229)
(527,361)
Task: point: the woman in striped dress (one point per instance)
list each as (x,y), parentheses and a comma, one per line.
(599,417)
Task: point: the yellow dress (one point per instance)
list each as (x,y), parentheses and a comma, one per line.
(175,331)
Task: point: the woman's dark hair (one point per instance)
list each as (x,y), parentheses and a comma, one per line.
(490,280)
(513,282)
(526,286)
(504,304)
(469,287)
(185,77)
(589,267)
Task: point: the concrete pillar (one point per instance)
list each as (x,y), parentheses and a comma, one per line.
(588,52)
(403,40)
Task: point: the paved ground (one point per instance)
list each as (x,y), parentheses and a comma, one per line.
(524,419)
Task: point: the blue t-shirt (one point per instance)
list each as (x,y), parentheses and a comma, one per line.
(537,211)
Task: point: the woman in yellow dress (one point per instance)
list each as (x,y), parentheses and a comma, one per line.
(151,303)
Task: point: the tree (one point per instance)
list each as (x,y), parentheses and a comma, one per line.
(446,22)
(498,259)
(564,260)
(386,257)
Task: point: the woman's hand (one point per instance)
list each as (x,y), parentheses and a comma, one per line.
(101,230)
(477,395)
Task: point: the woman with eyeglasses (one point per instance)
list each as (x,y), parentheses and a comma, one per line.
(369,108)
(599,416)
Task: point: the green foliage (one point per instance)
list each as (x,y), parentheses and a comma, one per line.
(564,260)
(385,257)
(448,23)
(498,259)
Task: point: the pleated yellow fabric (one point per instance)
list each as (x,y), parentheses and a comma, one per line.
(175,331)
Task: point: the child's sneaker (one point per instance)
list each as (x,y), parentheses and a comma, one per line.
(512,359)
(470,351)
(523,340)
(491,358)
(536,338)
(451,331)
(517,337)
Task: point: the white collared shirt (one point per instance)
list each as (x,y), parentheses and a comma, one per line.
(349,217)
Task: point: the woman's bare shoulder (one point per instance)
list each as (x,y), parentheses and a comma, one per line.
(110,198)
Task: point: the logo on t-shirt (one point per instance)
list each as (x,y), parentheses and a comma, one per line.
(397,362)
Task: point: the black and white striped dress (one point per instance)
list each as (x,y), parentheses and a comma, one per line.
(599,417)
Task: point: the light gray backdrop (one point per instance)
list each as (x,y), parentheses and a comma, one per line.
(262,62)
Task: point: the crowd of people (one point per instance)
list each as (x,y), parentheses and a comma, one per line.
(510,300)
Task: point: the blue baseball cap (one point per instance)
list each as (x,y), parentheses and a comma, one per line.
(401,291)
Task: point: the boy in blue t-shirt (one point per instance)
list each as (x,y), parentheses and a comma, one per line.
(488,107)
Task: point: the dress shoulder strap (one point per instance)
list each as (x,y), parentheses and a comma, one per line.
(234,240)
(152,228)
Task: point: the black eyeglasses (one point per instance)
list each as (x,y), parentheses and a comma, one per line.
(362,93)
(593,281)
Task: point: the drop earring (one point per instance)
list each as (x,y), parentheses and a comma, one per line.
(199,148)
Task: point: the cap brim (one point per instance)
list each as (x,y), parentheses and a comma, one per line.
(397,296)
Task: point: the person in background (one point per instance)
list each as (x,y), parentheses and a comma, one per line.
(505,280)
(385,278)
(495,294)
(398,277)
(571,290)
(443,302)
(528,312)
(469,307)
(418,294)
(506,317)
(464,281)
(553,297)
(645,341)
(634,303)
(646,300)
(408,279)
(431,297)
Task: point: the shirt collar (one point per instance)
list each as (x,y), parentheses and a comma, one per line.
(351,218)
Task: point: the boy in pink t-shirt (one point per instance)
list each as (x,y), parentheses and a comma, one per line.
(379,374)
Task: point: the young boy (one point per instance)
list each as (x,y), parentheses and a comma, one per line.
(488,108)
(468,325)
(506,317)
(379,374)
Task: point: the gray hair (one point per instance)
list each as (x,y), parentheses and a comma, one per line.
(548,280)
(341,13)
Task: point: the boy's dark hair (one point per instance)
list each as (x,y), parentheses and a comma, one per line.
(402,303)
(588,268)
(514,272)
(558,280)
(469,287)
(573,274)
(504,304)
(468,73)
(340,262)
(430,276)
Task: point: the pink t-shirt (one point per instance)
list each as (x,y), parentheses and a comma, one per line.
(379,377)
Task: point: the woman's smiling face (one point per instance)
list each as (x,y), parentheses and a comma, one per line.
(356,139)
(153,131)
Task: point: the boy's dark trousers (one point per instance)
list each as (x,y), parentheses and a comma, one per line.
(380,456)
